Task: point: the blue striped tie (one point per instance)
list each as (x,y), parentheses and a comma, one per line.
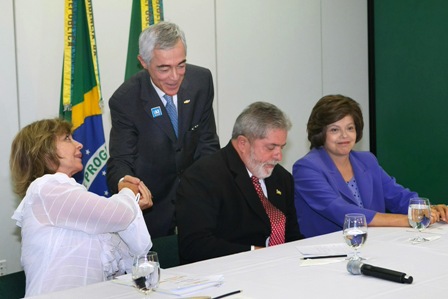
(172,112)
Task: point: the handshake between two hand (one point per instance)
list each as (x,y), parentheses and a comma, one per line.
(137,186)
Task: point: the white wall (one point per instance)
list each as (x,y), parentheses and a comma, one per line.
(288,52)
(9,124)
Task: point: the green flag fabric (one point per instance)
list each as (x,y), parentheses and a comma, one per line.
(81,94)
(144,13)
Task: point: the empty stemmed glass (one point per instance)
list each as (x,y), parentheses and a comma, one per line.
(146,272)
(419,216)
(355,232)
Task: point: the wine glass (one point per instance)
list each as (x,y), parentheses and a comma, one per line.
(419,216)
(146,272)
(355,232)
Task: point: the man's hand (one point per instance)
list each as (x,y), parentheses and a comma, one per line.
(137,186)
(129,182)
(145,196)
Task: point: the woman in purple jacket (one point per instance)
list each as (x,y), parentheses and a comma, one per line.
(333,180)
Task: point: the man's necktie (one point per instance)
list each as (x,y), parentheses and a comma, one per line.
(276,217)
(172,112)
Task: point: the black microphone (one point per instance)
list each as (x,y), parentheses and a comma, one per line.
(357,268)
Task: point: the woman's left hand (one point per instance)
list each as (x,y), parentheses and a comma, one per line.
(440,212)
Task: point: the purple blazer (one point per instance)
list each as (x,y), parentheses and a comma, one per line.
(322,197)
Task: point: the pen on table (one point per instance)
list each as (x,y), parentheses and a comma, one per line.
(323,256)
(228,294)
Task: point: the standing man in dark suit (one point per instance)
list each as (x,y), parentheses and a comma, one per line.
(146,140)
(221,207)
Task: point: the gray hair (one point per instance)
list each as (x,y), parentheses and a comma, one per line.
(257,119)
(163,35)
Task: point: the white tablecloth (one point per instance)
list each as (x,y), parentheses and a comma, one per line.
(279,272)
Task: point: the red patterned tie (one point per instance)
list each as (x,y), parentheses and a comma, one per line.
(277,218)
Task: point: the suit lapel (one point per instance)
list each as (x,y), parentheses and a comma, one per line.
(244,183)
(364,181)
(155,109)
(275,192)
(336,176)
(185,107)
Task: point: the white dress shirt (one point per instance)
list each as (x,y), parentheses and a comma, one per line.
(72,237)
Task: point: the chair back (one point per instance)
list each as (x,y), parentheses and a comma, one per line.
(167,249)
(12,286)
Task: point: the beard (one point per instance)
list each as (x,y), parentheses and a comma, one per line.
(260,169)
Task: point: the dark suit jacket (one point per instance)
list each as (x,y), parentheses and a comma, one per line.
(219,212)
(144,145)
(322,197)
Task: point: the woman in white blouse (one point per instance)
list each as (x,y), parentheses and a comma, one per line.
(70,237)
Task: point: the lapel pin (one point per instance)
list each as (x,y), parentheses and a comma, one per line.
(186,101)
(278,192)
(156,111)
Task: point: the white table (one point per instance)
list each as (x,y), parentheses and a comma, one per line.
(276,272)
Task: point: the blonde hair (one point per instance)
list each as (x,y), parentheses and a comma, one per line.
(33,152)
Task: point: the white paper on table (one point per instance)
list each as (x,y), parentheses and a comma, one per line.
(427,238)
(124,280)
(323,249)
(181,284)
(315,262)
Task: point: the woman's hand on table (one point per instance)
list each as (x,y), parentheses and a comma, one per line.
(440,212)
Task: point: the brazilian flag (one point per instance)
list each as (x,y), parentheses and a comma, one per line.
(144,13)
(81,99)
